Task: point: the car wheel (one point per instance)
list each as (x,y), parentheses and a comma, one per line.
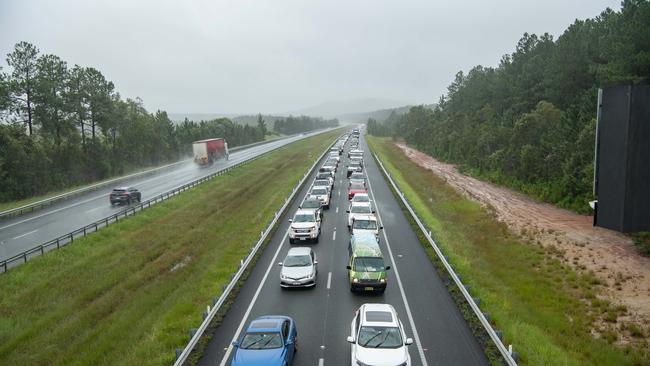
(128,201)
(291,241)
(316,240)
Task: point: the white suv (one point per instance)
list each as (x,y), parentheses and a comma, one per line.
(365,223)
(358,208)
(378,338)
(305,225)
(323,194)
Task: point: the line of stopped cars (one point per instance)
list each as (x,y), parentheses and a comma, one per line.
(377,335)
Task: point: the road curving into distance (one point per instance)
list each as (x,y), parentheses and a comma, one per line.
(24,232)
(323,314)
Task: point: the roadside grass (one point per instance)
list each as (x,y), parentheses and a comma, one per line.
(642,241)
(272,136)
(544,308)
(129,294)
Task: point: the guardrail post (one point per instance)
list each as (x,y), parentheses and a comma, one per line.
(57,243)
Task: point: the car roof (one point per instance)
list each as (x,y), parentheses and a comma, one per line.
(318,187)
(122,188)
(299,251)
(362,194)
(378,315)
(268,323)
(364,239)
(304,212)
(367,204)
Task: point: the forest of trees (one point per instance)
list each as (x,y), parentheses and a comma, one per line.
(62,126)
(291,125)
(530,122)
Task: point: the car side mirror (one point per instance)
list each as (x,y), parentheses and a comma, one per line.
(280,264)
(235,344)
(348,211)
(290,220)
(350,339)
(387,268)
(381,228)
(315,262)
(348,267)
(409,341)
(289,341)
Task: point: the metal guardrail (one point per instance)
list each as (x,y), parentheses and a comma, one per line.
(48,201)
(196,334)
(507,353)
(130,211)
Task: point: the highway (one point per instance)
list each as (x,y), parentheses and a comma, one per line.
(25,232)
(323,314)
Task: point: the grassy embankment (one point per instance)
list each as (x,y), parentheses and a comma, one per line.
(129,294)
(545,309)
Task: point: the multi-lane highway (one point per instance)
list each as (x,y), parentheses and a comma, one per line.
(323,314)
(24,232)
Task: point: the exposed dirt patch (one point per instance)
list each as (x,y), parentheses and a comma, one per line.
(609,255)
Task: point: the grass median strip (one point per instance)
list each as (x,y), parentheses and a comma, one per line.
(130,293)
(547,310)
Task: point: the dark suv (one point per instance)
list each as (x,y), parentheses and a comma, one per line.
(125,195)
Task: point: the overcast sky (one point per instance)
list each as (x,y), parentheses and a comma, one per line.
(279,56)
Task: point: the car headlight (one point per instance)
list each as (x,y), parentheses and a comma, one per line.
(355,280)
(382,280)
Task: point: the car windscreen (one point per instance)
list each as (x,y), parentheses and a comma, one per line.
(368,264)
(319,191)
(311,204)
(380,337)
(304,218)
(297,261)
(357,186)
(365,225)
(321,182)
(361,198)
(261,341)
(360,209)
(118,191)
(356,176)
(323,176)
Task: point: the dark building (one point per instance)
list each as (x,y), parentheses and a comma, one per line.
(622,178)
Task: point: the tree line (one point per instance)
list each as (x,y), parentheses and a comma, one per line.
(291,125)
(64,125)
(529,123)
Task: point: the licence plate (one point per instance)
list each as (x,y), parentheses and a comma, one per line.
(296,283)
(369,288)
(303,238)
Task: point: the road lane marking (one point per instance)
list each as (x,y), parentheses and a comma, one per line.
(337,209)
(321,362)
(94,209)
(329,280)
(25,234)
(254,299)
(334,235)
(399,282)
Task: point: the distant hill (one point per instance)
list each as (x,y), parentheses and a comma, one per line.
(180,117)
(379,115)
(337,108)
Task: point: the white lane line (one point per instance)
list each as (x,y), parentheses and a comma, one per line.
(399,283)
(321,362)
(334,235)
(337,209)
(25,234)
(94,209)
(329,280)
(339,192)
(257,293)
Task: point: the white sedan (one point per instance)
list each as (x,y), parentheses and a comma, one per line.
(377,337)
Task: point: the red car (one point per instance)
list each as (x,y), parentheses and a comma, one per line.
(355,188)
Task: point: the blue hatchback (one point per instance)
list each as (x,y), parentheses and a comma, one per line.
(268,340)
